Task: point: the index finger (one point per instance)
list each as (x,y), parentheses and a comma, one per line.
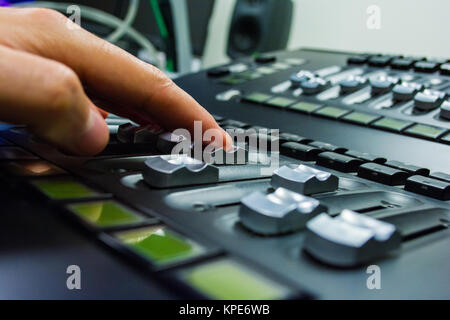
(115,76)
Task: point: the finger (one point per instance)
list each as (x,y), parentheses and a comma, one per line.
(48,97)
(113,75)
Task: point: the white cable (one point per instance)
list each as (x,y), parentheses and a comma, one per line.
(102,18)
(127,22)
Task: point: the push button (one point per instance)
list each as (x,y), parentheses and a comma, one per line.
(305,107)
(445,69)
(257,97)
(290,137)
(265,58)
(280,212)
(425,131)
(365,156)
(402,64)
(407,168)
(429,187)
(31,168)
(227,279)
(392,124)
(304,180)
(105,214)
(358,60)
(360,118)
(218,72)
(383,174)
(300,151)
(440,176)
(64,189)
(327,146)
(279,102)
(159,245)
(332,112)
(349,239)
(338,162)
(426,66)
(178,170)
(379,61)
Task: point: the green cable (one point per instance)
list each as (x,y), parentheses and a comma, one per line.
(162,28)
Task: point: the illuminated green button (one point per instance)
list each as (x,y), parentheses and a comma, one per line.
(229,280)
(332,112)
(392,124)
(249,75)
(160,245)
(31,168)
(257,97)
(425,131)
(266,70)
(446,138)
(105,214)
(60,189)
(361,117)
(305,107)
(280,102)
(233,79)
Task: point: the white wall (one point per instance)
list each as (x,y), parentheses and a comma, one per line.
(414,27)
(411,27)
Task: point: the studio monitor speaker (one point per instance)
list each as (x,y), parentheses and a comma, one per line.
(259,26)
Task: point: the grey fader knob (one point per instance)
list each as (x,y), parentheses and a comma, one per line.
(178,170)
(350,239)
(277,213)
(125,132)
(304,179)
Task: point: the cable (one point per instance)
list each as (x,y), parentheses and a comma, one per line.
(127,22)
(102,18)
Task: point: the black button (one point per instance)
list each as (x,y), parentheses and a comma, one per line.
(382,174)
(365,156)
(380,61)
(290,137)
(327,146)
(402,64)
(408,168)
(429,187)
(445,69)
(300,151)
(218,72)
(338,162)
(440,176)
(425,66)
(265,59)
(358,59)
(233,123)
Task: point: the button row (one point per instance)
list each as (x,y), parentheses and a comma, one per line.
(424,100)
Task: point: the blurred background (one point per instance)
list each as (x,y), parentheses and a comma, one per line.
(186,35)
